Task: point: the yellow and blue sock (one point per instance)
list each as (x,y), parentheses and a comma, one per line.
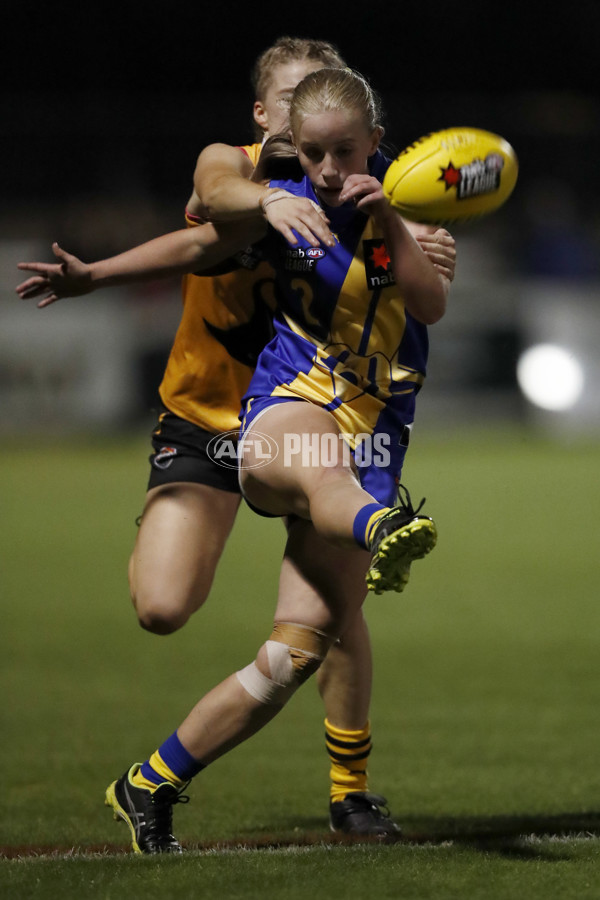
(171,762)
(366,521)
(349,752)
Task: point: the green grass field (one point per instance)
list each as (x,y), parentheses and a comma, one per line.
(485,708)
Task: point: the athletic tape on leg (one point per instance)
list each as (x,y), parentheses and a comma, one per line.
(294,652)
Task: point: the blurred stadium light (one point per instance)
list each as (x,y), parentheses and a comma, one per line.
(550,376)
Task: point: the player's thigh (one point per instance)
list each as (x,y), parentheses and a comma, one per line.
(321,585)
(183,531)
(301,432)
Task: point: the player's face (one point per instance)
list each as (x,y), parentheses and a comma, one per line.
(331,146)
(272,113)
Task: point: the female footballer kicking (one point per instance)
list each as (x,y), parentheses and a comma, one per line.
(319,374)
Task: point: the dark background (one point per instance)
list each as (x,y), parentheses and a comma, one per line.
(189,46)
(105,106)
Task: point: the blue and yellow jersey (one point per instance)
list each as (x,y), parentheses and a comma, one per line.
(225,323)
(343,338)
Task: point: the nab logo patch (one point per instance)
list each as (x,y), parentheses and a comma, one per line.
(378,265)
(299,259)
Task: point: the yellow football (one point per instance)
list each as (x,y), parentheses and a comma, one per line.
(452,176)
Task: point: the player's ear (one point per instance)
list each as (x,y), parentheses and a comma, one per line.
(376,137)
(260,116)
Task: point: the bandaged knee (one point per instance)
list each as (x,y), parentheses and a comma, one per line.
(294,652)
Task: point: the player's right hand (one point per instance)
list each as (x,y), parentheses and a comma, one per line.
(68,278)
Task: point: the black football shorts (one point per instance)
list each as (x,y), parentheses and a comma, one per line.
(181,452)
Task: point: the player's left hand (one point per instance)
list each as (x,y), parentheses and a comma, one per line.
(68,278)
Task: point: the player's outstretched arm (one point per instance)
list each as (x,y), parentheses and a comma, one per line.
(187,250)
(223,191)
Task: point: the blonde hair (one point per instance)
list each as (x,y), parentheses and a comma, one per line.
(338,90)
(291,49)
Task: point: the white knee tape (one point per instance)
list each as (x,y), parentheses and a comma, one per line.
(294,652)
(280,663)
(265,690)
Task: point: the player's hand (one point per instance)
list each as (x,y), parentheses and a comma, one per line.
(440,247)
(366,193)
(68,278)
(301,215)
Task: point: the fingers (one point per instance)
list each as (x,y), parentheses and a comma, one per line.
(48,268)
(442,244)
(361,187)
(444,271)
(437,254)
(46,301)
(316,234)
(440,249)
(37,283)
(361,196)
(300,216)
(32,287)
(439,238)
(52,279)
(60,253)
(33,267)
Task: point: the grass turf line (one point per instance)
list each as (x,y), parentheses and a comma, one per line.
(484,701)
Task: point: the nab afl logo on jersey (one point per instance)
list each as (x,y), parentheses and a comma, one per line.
(301,259)
(378,265)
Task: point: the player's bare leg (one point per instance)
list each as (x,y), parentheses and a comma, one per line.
(182,534)
(331,495)
(306,625)
(311,595)
(344,678)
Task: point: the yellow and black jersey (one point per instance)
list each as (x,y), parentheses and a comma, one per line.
(226,321)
